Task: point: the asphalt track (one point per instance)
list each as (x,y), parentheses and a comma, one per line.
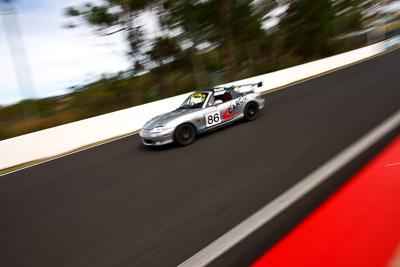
(122,204)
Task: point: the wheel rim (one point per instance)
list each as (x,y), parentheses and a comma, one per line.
(186,134)
(251,111)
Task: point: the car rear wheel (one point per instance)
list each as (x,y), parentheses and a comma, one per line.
(250,111)
(185,134)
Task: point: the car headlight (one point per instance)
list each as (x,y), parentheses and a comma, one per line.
(158,129)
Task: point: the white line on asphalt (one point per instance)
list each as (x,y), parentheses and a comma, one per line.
(388,165)
(64,155)
(290,196)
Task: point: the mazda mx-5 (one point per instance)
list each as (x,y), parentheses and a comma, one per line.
(201,112)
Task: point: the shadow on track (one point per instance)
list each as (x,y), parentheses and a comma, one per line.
(200,136)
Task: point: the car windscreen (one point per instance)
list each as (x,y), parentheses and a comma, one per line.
(195,100)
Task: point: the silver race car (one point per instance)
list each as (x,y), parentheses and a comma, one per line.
(203,111)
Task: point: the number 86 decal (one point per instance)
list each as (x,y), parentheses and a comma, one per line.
(213,118)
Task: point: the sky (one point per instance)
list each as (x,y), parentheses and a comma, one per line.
(57,58)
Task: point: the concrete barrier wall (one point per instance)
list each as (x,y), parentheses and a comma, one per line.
(392,42)
(64,138)
(287,76)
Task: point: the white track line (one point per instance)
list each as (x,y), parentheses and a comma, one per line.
(290,196)
(393,164)
(67,154)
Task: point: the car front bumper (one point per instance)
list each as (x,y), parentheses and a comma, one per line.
(157,139)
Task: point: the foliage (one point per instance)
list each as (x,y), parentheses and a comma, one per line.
(193,20)
(308,27)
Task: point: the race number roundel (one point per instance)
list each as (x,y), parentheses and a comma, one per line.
(212,116)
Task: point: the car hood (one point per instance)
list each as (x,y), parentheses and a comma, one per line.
(165,118)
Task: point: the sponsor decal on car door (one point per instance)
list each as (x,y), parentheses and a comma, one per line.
(234,107)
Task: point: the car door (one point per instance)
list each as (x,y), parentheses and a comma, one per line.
(231,109)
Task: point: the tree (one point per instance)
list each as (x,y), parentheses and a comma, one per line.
(248,34)
(225,8)
(162,53)
(115,16)
(190,18)
(348,15)
(238,25)
(308,27)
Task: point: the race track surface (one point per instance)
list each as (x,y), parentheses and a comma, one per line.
(122,204)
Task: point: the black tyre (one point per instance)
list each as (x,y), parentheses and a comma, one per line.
(251,111)
(185,134)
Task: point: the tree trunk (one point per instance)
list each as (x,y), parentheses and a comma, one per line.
(277,44)
(199,70)
(228,53)
(250,55)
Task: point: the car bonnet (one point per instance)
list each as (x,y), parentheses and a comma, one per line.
(163,119)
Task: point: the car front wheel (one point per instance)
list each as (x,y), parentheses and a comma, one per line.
(185,134)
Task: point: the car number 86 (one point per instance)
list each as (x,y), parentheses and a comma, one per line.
(213,119)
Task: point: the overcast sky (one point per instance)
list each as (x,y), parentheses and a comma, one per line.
(58,58)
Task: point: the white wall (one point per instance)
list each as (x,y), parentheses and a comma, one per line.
(64,138)
(286,76)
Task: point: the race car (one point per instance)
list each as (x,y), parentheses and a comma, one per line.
(201,112)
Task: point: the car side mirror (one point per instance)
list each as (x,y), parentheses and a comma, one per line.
(217,102)
(259,84)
